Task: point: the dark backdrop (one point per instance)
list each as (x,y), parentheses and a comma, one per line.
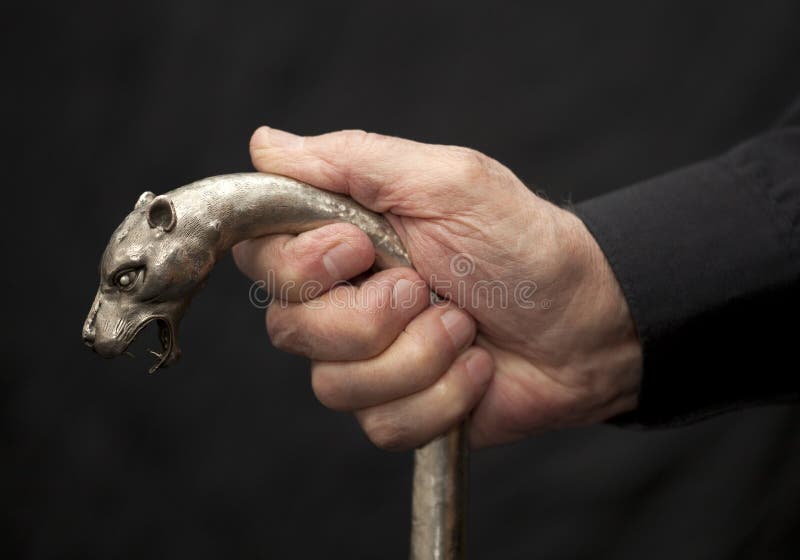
(228,455)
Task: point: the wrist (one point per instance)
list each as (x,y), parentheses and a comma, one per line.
(606,344)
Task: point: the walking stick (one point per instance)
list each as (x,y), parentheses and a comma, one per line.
(161,255)
(438,516)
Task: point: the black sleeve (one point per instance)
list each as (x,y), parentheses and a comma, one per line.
(708,258)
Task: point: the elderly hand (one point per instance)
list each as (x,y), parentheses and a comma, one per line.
(535,334)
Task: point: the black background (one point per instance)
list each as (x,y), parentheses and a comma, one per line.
(228,455)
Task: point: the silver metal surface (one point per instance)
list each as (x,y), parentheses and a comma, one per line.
(439,502)
(161,255)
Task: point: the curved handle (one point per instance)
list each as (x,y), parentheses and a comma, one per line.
(208,217)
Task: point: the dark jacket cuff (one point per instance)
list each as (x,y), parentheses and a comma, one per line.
(707,257)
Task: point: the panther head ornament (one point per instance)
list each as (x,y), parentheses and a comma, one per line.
(153,265)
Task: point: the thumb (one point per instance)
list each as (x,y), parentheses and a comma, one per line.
(383,173)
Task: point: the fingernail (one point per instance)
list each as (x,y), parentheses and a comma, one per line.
(281,138)
(341,262)
(479,368)
(458,326)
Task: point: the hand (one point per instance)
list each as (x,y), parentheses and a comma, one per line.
(536,333)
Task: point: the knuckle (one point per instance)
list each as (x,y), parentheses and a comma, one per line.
(386,431)
(290,278)
(455,402)
(443,393)
(296,279)
(348,145)
(423,360)
(367,333)
(359,142)
(353,140)
(294,256)
(273,323)
(329,387)
(283,334)
(473,165)
(371,326)
(291,259)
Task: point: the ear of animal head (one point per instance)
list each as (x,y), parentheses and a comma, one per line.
(161,213)
(144,199)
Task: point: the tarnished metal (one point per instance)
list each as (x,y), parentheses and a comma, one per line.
(161,255)
(439,502)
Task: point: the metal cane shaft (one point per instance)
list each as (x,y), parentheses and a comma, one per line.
(439,497)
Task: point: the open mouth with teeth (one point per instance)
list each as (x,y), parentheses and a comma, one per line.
(166,336)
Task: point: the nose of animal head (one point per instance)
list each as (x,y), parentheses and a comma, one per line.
(89,332)
(96,334)
(106,344)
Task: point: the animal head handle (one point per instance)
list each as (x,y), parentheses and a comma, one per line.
(162,253)
(133,291)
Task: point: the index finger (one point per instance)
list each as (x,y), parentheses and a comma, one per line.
(384,173)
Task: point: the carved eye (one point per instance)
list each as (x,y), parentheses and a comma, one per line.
(125,279)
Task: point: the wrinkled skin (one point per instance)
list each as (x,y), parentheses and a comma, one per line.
(409,373)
